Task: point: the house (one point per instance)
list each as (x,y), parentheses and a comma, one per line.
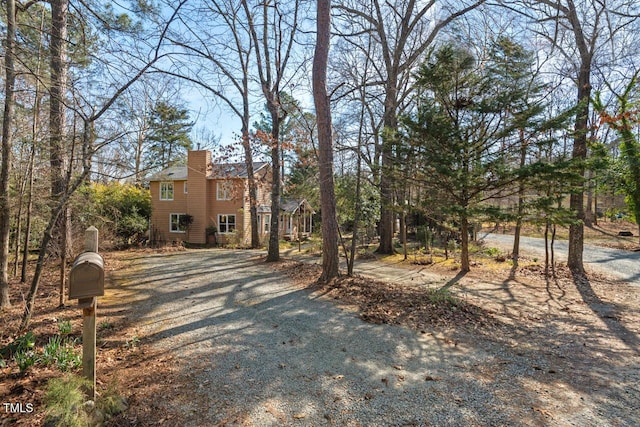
(190,201)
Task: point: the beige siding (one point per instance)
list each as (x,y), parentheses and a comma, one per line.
(202,204)
(197,194)
(162,209)
(234,206)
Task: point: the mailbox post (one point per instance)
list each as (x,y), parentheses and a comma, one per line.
(86,282)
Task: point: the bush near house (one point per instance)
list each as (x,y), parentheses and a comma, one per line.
(120,211)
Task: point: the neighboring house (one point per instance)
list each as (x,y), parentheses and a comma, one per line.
(188,201)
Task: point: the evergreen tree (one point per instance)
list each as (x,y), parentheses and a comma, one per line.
(168,135)
(466,133)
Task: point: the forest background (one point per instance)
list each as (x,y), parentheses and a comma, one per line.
(444,115)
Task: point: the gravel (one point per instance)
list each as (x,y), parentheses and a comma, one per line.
(622,264)
(261,351)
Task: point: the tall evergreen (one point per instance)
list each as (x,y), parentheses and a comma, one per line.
(466,134)
(169,135)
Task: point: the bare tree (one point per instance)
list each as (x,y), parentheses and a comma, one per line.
(580,31)
(87,150)
(7,129)
(217,48)
(404,31)
(57,119)
(273,27)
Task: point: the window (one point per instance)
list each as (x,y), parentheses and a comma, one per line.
(224,190)
(226,223)
(166,191)
(185,187)
(267,223)
(178,223)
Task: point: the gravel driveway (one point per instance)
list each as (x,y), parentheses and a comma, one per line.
(620,263)
(261,351)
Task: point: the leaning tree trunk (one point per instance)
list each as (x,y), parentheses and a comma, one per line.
(330,266)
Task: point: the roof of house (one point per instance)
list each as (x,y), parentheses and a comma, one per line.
(218,171)
(289,206)
(292,205)
(174,173)
(233,170)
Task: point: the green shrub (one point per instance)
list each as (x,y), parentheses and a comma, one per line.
(110,402)
(492,252)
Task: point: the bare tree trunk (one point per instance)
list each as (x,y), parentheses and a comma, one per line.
(274,235)
(553,253)
(588,215)
(465,265)
(386,176)
(248,158)
(547,225)
(57,122)
(27,227)
(356,218)
(18,218)
(7,129)
(330,266)
(32,156)
(521,189)
(576,200)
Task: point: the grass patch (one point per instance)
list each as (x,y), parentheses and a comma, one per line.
(67,406)
(64,400)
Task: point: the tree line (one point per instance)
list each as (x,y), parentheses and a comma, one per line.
(436,110)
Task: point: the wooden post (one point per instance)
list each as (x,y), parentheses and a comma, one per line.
(91,239)
(89,347)
(299,237)
(89,323)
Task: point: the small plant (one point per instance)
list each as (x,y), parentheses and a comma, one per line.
(441,296)
(23,350)
(105,326)
(132,343)
(60,352)
(66,405)
(64,400)
(25,359)
(3,363)
(492,252)
(64,327)
(110,402)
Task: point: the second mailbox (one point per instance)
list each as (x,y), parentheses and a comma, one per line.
(87,276)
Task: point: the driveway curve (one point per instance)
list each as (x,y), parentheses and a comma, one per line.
(617,262)
(261,351)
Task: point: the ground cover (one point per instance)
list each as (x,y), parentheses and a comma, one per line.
(585,332)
